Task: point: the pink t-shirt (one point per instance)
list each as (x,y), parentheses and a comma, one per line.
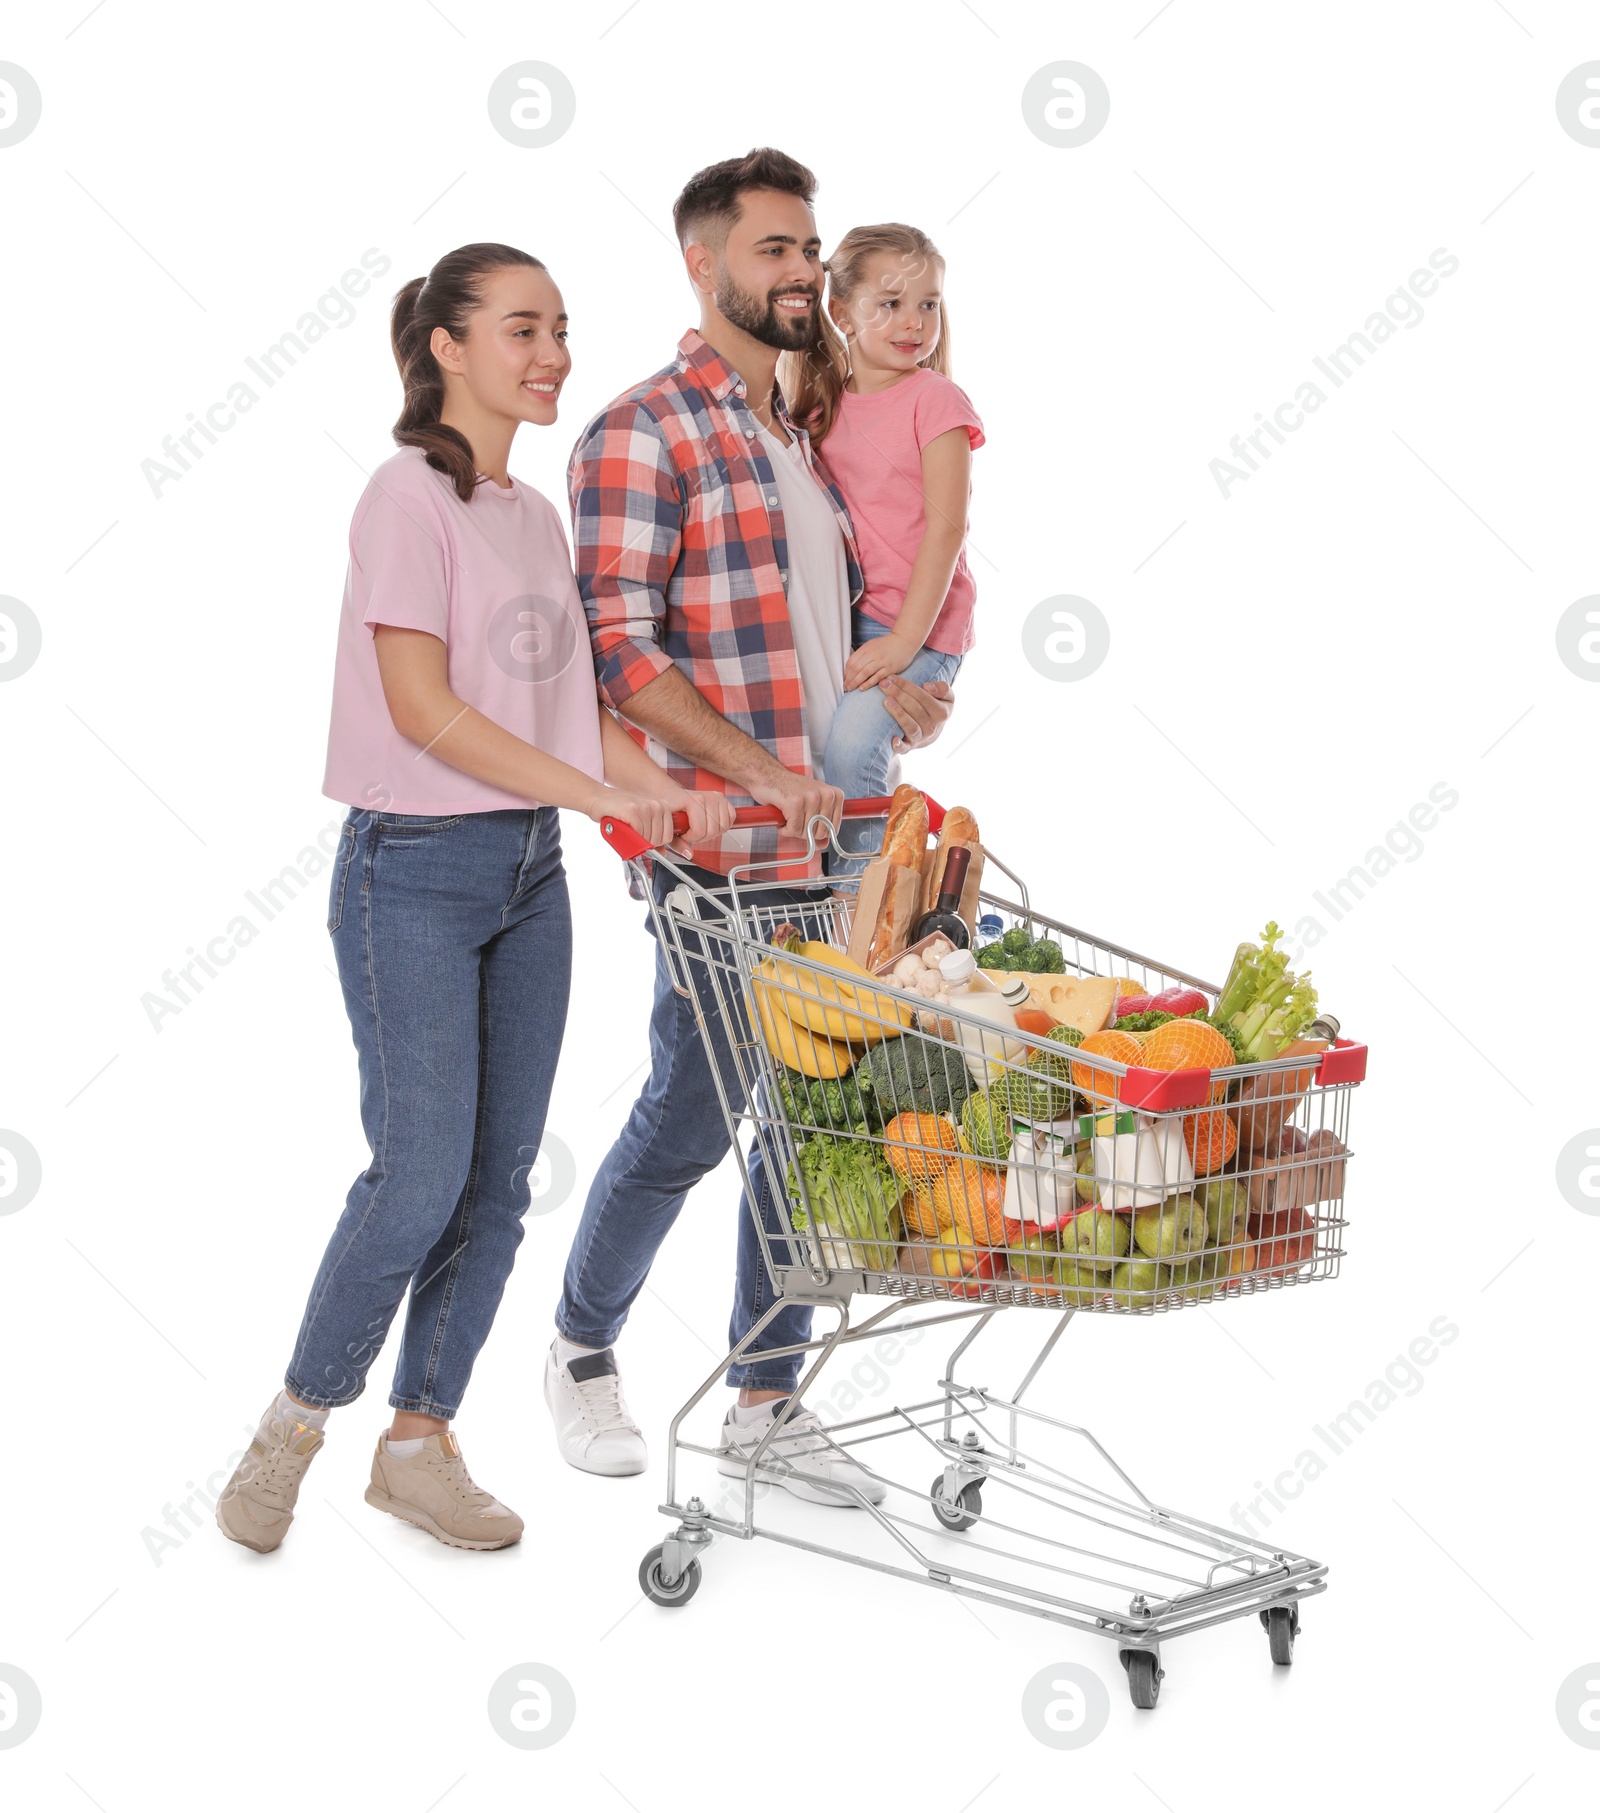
(492,579)
(874,451)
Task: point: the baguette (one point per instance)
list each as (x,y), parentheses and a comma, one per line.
(959,827)
(905,837)
(905,840)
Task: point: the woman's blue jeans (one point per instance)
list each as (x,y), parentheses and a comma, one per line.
(453,939)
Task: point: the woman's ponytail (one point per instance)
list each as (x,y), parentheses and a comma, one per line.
(444,298)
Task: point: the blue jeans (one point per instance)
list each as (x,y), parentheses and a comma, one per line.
(453,939)
(861,747)
(674,1135)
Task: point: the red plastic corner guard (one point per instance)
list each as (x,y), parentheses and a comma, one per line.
(1161,1091)
(1346,1062)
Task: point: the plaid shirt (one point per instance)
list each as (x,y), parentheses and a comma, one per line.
(681,561)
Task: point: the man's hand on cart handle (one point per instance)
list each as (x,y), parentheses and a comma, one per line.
(799,800)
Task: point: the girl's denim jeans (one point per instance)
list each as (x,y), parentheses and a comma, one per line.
(861,747)
(453,939)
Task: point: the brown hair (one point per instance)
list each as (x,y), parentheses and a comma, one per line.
(709,204)
(814,380)
(444,298)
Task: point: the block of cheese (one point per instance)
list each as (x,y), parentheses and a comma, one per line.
(1086,1002)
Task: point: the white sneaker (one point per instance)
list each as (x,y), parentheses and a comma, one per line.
(803,1460)
(593,1428)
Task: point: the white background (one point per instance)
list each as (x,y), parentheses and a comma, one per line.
(1371,614)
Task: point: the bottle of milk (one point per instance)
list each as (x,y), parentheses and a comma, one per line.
(972,996)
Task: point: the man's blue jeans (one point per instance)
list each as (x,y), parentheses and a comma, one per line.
(454,944)
(675,1134)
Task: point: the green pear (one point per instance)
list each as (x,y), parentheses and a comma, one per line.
(1080,1281)
(1227,1205)
(1036,1261)
(1197,1277)
(1099,1238)
(1174,1227)
(1139,1281)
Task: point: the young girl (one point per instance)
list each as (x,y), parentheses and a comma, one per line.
(898,436)
(464,715)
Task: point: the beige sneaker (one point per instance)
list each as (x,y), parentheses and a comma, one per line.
(257,1504)
(434,1490)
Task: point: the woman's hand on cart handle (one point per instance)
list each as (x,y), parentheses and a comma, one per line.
(701,817)
(651,818)
(799,799)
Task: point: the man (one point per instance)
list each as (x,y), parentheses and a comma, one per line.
(718,566)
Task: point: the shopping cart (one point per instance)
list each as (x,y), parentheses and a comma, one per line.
(985,1174)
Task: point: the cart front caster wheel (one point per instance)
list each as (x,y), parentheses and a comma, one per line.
(681,1591)
(1282,1624)
(966,1510)
(1145,1675)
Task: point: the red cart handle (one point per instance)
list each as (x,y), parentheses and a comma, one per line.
(628,843)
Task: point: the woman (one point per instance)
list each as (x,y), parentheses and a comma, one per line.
(464,716)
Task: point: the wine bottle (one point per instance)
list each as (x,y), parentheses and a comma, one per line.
(946,912)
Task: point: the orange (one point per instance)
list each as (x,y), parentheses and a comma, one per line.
(907,1138)
(1188,1045)
(1090,1078)
(919,1214)
(1212,1139)
(971,1198)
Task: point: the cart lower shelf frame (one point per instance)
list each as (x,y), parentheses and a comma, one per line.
(1107,1560)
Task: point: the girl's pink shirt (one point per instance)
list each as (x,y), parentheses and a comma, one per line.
(492,579)
(874,452)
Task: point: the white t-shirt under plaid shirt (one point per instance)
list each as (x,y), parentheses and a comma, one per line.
(818,585)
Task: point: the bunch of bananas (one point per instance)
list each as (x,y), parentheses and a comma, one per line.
(818,1020)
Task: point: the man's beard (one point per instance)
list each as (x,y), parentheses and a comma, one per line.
(762,319)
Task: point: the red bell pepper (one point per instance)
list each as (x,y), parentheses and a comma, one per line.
(1178,1001)
(1134,1004)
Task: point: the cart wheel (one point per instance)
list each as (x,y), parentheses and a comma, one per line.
(1145,1675)
(656,1589)
(1282,1624)
(967,1509)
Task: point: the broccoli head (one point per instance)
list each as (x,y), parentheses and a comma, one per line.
(812,1104)
(1045,958)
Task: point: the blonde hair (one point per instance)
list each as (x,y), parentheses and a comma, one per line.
(813,381)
